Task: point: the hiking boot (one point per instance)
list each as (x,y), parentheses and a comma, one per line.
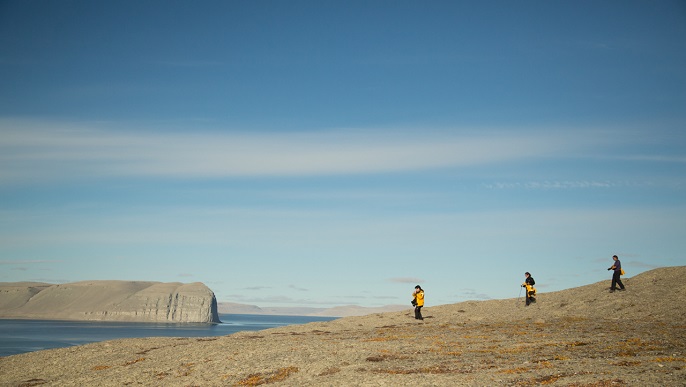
(612,290)
(622,289)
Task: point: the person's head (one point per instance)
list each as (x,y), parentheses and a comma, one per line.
(615,257)
(418,288)
(527,274)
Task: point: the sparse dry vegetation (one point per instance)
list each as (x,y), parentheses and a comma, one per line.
(632,338)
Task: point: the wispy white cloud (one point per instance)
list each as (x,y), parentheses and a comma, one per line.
(472,294)
(41,151)
(241,298)
(274,300)
(553,185)
(406,280)
(257,287)
(294,287)
(655,158)
(189,63)
(26,262)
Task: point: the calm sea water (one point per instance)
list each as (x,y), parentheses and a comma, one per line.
(20,336)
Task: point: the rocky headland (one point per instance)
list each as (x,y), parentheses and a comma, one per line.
(578,337)
(138,301)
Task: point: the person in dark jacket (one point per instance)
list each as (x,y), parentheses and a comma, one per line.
(617,267)
(530,289)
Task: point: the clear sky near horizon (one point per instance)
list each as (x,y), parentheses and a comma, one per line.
(323,153)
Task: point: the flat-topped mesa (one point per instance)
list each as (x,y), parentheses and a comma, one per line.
(139,301)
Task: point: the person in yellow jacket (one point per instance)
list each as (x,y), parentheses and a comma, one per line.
(418,302)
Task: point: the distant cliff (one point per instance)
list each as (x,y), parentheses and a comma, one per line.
(110,301)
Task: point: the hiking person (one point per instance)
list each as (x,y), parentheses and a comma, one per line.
(530,289)
(418,302)
(617,267)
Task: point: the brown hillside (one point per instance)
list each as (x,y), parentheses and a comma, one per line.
(658,295)
(578,337)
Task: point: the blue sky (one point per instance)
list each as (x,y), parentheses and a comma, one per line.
(308,153)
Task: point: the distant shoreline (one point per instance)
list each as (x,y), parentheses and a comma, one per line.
(337,311)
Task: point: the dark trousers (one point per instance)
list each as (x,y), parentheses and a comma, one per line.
(616,281)
(530,298)
(418,313)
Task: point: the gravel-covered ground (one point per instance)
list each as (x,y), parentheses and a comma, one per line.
(579,337)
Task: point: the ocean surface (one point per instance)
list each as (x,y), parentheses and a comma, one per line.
(20,336)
